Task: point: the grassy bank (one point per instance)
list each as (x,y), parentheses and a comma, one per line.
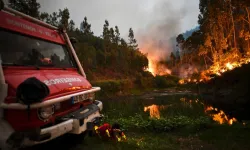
(156,113)
(133,86)
(183,124)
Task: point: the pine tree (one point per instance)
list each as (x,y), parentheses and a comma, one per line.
(117,35)
(28,7)
(132,41)
(85,27)
(112,35)
(71,25)
(64,18)
(106,32)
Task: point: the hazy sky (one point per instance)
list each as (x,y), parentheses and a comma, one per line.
(138,14)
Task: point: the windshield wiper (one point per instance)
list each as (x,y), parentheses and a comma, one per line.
(15,64)
(11,64)
(36,66)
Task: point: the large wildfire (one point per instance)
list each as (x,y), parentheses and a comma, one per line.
(156,52)
(157,39)
(157,68)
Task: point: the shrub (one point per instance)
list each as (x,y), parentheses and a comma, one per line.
(163,82)
(113,87)
(144,82)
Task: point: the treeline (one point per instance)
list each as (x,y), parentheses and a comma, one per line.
(223,35)
(106,57)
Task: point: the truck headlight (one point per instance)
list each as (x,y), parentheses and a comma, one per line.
(46,112)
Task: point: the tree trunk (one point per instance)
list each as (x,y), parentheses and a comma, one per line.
(248,17)
(205,61)
(231,12)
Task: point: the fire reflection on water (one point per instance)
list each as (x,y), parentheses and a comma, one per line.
(216,114)
(219,116)
(154,110)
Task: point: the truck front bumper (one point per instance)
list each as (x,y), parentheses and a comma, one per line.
(74,123)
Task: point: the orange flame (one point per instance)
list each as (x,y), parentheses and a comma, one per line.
(156,68)
(153,110)
(229,66)
(150,67)
(220,68)
(156,52)
(220,117)
(181,81)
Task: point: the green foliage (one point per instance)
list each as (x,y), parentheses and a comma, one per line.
(164,82)
(113,87)
(132,41)
(64,18)
(71,25)
(223,33)
(29,7)
(144,82)
(86,27)
(137,122)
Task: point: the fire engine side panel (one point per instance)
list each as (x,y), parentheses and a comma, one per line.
(14,23)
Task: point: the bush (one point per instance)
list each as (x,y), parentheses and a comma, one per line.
(175,79)
(164,82)
(113,87)
(144,82)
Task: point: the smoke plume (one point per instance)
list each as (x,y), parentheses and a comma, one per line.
(157,39)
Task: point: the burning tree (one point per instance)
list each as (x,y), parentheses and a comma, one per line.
(222,43)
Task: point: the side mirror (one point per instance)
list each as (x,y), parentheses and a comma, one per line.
(1,4)
(73,41)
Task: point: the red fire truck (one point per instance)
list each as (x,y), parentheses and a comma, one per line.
(30,48)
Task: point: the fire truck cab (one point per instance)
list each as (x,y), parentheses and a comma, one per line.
(31,48)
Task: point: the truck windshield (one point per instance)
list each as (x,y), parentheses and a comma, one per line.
(19,50)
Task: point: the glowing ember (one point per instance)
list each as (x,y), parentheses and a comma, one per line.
(229,66)
(232,120)
(181,81)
